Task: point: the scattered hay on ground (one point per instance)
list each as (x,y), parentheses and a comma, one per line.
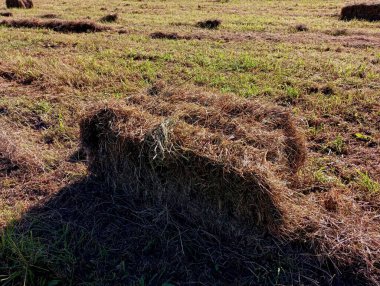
(209,24)
(6,14)
(369,12)
(49,16)
(62,26)
(15,155)
(25,4)
(109,18)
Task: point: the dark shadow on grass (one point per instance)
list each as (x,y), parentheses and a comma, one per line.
(89,235)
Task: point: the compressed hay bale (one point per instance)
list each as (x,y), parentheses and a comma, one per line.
(369,12)
(25,4)
(169,160)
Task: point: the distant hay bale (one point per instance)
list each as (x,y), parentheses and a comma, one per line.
(62,26)
(109,18)
(301,28)
(222,159)
(25,4)
(369,12)
(209,24)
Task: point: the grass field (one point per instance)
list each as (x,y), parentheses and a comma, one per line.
(60,228)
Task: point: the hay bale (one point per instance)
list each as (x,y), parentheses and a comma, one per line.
(209,24)
(369,12)
(25,4)
(189,158)
(109,18)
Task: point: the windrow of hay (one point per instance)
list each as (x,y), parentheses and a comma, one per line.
(62,26)
(369,12)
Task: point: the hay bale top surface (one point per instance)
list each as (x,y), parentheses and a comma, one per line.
(240,134)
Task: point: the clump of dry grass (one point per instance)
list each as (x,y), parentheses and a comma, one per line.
(209,24)
(62,26)
(26,4)
(15,155)
(369,12)
(301,28)
(109,18)
(6,14)
(162,35)
(49,16)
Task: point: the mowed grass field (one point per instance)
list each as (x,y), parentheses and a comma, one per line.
(59,229)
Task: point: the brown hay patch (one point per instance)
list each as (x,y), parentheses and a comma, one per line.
(301,28)
(109,18)
(15,155)
(369,12)
(62,26)
(162,35)
(25,4)
(49,16)
(209,24)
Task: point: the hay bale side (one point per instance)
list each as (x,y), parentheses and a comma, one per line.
(24,4)
(177,163)
(369,12)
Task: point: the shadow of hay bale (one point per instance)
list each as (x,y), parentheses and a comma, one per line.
(369,12)
(115,240)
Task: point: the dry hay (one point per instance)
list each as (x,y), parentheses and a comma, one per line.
(233,163)
(49,16)
(15,155)
(228,154)
(109,18)
(25,4)
(209,24)
(62,26)
(369,12)
(162,35)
